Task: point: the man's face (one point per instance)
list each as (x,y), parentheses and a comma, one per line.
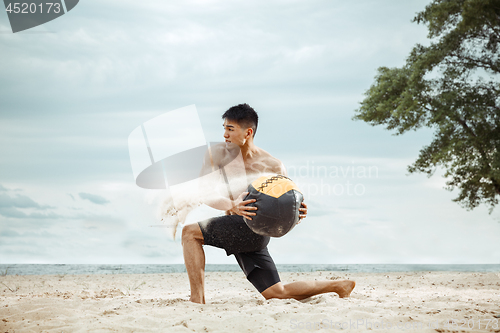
(235,134)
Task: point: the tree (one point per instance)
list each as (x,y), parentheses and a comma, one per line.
(453,87)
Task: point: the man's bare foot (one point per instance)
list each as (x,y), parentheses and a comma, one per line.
(197,300)
(345,288)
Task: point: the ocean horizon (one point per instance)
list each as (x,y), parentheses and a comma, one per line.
(81,269)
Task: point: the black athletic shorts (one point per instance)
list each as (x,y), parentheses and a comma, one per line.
(231,233)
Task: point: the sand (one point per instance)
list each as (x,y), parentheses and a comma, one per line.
(410,302)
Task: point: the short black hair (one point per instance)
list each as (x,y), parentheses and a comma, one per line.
(244,115)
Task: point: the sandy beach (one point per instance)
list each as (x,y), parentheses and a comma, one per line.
(410,302)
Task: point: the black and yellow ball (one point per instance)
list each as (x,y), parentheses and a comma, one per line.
(278,203)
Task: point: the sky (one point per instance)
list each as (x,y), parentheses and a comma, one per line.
(73,89)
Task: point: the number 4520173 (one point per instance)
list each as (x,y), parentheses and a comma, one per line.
(33,8)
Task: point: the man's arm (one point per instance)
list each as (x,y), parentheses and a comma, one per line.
(212,184)
(210,181)
(282,169)
(303,209)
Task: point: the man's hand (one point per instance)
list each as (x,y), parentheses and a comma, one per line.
(303,211)
(240,207)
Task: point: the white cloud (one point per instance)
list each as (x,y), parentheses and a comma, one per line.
(97,199)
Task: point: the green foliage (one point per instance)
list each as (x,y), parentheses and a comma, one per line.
(453,87)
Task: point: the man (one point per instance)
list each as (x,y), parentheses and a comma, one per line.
(230,232)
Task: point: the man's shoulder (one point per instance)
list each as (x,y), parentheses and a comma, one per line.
(220,154)
(266,155)
(274,164)
(218,149)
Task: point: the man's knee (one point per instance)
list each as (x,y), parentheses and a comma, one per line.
(191,232)
(275,291)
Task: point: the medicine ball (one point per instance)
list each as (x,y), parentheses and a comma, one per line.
(278,203)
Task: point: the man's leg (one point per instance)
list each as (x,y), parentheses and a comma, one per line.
(304,289)
(194,259)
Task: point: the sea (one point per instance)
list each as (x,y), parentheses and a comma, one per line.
(82,269)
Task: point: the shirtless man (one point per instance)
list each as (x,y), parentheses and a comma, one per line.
(231,233)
